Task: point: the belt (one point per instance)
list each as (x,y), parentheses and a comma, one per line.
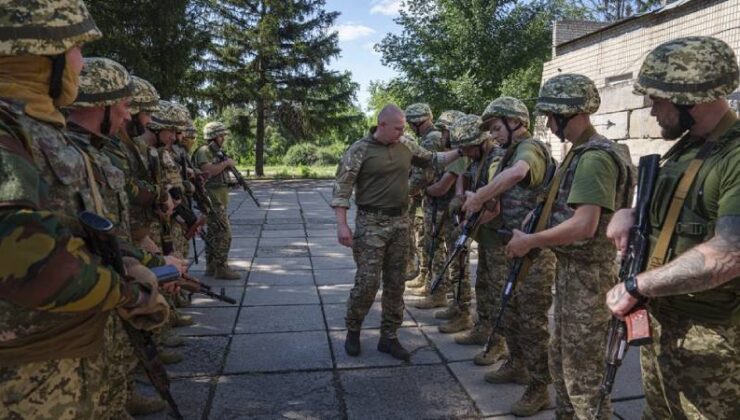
(380,211)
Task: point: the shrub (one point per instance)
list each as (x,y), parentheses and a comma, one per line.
(301,154)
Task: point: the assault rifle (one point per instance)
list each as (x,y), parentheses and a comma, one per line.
(168,246)
(461,247)
(239,178)
(105,244)
(168,273)
(635,329)
(434,233)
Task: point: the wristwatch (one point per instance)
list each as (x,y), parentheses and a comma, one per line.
(460,152)
(631,286)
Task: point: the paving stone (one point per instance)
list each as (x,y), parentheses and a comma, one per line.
(240,264)
(340,276)
(242,220)
(278,352)
(239,253)
(410,392)
(314,218)
(445,344)
(422,353)
(330,250)
(337,293)
(423,317)
(283,278)
(242,243)
(203,356)
(281,295)
(209,321)
(318,231)
(629,409)
(335,317)
(492,400)
(264,319)
(214,282)
(292,263)
(324,263)
(283,233)
(245,231)
(271,227)
(297,241)
(302,395)
(283,251)
(190,394)
(199,300)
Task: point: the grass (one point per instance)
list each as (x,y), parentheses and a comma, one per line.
(292,172)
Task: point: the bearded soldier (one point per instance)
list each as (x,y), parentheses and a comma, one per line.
(516,187)
(692,283)
(594,180)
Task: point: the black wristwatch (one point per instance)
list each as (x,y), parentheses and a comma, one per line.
(631,286)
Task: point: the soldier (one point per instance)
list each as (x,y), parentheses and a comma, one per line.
(594,180)
(419,118)
(50,359)
(692,368)
(516,188)
(219,231)
(380,243)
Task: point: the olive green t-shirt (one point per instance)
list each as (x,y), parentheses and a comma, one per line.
(537,161)
(216,186)
(458,167)
(595,180)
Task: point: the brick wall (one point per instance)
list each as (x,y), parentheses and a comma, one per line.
(612,57)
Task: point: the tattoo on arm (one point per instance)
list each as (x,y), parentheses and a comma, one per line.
(703,267)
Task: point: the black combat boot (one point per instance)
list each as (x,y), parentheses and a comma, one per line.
(394,347)
(352,343)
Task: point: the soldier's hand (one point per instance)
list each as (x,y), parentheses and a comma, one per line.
(519,245)
(179,263)
(171,287)
(472,203)
(619,301)
(230,162)
(344,234)
(488,215)
(619,228)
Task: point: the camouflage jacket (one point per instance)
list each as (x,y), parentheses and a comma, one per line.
(423,177)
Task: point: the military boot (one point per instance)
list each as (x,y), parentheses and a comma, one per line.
(225,273)
(459,323)
(509,372)
(394,348)
(535,399)
(450,312)
(170,339)
(181,320)
(422,291)
(169,357)
(140,405)
(495,353)
(352,343)
(418,281)
(474,337)
(437,300)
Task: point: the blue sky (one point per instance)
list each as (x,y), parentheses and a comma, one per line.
(362,24)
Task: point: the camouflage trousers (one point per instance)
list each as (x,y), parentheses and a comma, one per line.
(416,251)
(579,339)
(691,371)
(446,236)
(489,283)
(218,236)
(182,245)
(380,249)
(525,320)
(53,389)
(120,361)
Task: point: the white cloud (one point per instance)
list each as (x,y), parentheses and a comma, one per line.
(352,31)
(385,7)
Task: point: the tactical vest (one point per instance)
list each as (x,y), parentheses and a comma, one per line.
(598,248)
(695,226)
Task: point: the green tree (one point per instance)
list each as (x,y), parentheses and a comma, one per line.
(614,10)
(271,56)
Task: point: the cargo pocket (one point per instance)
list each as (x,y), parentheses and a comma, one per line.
(65,161)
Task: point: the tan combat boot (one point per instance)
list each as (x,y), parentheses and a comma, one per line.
(437,300)
(140,405)
(418,281)
(225,273)
(422,291)
(170,357)
(475,337)
(535,399)
(181,320)
(452,311)
(459,323)
(509,372)
(495,353)
(170,339)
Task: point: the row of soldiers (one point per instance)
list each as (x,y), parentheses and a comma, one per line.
(81,136)
(581,222)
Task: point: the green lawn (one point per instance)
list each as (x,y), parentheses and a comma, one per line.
(284,171)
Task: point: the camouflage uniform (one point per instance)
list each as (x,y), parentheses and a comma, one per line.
(381,237)
(50,362)
(586,270)
(692,368)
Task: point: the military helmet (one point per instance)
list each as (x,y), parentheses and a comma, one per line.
(466,132)
(167,117)
(190,132)
(688,71)
(418,113)
(505,107)
(145,97)
(214,129)
(183,116)
(45,27)
(447,118)
(103,82)
(568,94)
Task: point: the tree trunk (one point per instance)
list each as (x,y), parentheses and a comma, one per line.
(259,143)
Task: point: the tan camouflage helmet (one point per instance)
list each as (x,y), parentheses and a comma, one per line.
(505,107)
(103,82)
(167,117)
(688,71)
(214,129)
(44,27)
(183,116)
(418,113)
(145,97)
(568,94)
(190,132)
(466,132)
(447,118)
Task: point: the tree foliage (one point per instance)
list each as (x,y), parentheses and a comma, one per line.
(614,10)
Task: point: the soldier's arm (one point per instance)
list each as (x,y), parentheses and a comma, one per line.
(444,184)
(422,157)
(504,181)
(347,171)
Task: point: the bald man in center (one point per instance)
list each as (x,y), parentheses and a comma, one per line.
(376,168)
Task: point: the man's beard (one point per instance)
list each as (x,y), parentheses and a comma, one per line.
(671,133)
